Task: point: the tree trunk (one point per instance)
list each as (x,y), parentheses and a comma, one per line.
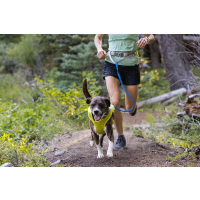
(155,60)
(175,60)
(152,52)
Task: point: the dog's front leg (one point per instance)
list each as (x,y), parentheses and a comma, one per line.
(109,132)
(99,149)
(92,140)
(92,134)
(101,140)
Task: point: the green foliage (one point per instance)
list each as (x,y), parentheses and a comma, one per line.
(52,47)
(53,113)
(182,155)
(10,38)
(150,118)
(60,57)
(71,105)
(153,83)
(80,58)
(24,52)
(15,89)
(21,153)
(196,71)
(36,52)
(46,116)
(175,132)
(34,120)
(6,62)
(138,132)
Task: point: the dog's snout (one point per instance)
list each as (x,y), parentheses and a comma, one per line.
(96,112)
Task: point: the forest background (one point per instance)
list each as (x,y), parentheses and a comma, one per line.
(41,81)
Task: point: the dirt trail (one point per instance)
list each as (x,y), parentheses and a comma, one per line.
(74,150)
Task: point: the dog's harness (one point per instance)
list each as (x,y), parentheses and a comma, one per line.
(100,125)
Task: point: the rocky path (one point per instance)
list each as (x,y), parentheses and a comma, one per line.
(73,150)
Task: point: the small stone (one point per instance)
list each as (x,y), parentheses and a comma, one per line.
(172,154)
(54,149)
(55,163)
(7,165)
(59,153)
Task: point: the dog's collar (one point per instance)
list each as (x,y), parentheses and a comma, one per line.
(100,125)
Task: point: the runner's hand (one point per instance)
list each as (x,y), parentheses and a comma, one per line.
(142,42)
(101,54)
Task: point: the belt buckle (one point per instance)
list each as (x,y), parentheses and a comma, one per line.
(120,54)
(126,54)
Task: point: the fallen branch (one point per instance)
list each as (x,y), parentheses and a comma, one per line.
(162,97)
(169,101)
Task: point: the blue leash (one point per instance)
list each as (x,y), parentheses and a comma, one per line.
(125,91)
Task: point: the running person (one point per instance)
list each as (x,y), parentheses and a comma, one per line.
(121,45)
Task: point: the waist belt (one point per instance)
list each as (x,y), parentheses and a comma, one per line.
(121,54)
(126,55)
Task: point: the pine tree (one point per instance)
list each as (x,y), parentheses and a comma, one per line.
(81,58)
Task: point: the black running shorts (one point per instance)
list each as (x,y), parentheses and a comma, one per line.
(130,75)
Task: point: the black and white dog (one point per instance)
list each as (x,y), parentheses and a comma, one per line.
(101,115)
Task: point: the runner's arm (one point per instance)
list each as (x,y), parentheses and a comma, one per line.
(144,41)
(101,54)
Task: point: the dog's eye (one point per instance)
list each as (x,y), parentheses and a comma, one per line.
(92,105)
(101,105)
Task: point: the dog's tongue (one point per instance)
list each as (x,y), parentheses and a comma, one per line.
(97,118)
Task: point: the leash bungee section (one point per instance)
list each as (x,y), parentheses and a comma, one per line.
(116,63)
(125,91)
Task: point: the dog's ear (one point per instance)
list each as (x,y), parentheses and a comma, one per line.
(88,100)
(107,101)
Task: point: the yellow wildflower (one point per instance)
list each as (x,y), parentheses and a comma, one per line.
(10,140)
(4,137)
(12,145)
(23,148)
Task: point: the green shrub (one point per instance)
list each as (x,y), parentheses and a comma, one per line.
(153,83)
(14,89)
(175,132)
(53,113)
(70,106)
(21,153)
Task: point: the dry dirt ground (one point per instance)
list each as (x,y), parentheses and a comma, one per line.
(73,150)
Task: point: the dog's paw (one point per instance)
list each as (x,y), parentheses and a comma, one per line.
(100,156)
(109,154)
(91,143)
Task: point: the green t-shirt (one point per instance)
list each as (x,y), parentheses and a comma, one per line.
(123,43)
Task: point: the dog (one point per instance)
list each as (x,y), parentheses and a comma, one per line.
(101,115)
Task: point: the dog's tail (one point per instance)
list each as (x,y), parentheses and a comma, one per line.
(85,90)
